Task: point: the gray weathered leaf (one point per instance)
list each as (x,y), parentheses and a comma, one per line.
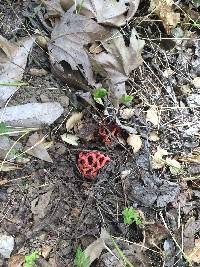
(6,245)
(94,250)
(31,114)
(120,59)
(13,59)
(54,8)
(68,40)
(115,13)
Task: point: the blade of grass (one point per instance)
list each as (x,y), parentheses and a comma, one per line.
(79,7)
(121,255)
(13,84)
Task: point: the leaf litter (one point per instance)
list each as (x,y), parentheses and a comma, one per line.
(67,43)
(13,59)
(111,68)
(114,13)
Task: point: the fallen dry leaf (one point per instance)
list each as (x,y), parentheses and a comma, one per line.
(46,249)
(73,120)
(126,113)
(3,182)
(152,116)
(13,58)
(194,254)
(66,4)
(119,61)
(196,82)
(164,10)
(67,44)
(38,149)
(115,13)
(174,166)
(70,139)
(40,204)
(54,8)
(135,142)
(168,72)
(94,250)
(16,260)
(153,136)
(95,48)
(157,161)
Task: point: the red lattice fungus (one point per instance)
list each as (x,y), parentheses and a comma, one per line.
(90,163)
(105,134)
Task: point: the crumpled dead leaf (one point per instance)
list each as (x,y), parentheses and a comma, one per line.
(152,116)
(115,13)
(54,8)
(13,59)
(157,161)
(135,142)
(73,120)
(67,43)
(45,250)
(70,139)
(119,60)
(164,10)
(40,204)
(194,254)
(38,149)
(16,260)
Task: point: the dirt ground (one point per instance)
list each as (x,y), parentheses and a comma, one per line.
(51,205)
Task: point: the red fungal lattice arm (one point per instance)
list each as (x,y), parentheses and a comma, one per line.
(104,133)
(90,163)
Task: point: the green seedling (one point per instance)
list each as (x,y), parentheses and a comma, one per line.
(16,154)
(99,94)
(81,260)
(3,128)
(126,99)
(130,216)
(31,259)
